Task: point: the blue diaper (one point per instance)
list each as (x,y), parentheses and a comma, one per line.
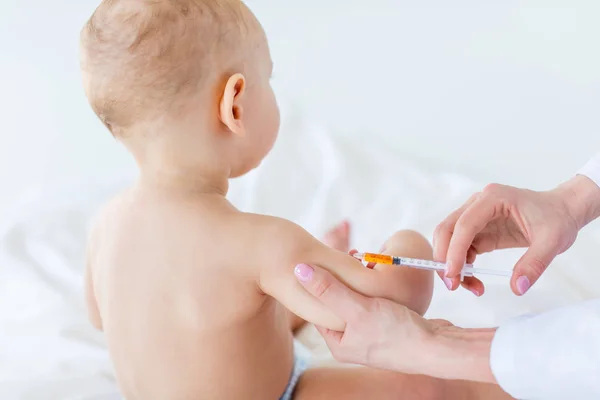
(301,362)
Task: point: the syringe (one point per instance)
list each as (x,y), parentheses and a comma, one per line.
(468,269)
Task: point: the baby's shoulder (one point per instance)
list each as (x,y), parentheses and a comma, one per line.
(111,211)
(275,239)
(274,227)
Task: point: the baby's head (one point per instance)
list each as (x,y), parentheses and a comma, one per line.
(191,77)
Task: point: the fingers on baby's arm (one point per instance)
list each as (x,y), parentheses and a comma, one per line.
(289,245)
(344,302)
(284,287)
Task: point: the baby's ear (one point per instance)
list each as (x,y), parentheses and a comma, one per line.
(230,110)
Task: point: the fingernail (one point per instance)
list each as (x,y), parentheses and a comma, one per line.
(523,284)
(303,272)
(475,292)
(448,283)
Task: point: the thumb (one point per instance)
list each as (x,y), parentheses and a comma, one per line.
(333,294)
(531,266)
(332,338)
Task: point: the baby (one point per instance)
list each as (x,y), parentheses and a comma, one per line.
(197,299)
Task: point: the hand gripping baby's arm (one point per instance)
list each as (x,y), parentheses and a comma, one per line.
(291,245)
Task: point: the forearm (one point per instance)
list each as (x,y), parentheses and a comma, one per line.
(461,354)
(550,355)
(582,198)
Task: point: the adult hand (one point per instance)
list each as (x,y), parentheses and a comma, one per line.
(386,335)
(502,217)
(379,333)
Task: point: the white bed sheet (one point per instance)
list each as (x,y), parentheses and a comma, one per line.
(314,177)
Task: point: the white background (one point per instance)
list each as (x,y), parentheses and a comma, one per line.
(503,91)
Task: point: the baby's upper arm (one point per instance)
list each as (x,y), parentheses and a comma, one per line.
(282,247)
(290,245)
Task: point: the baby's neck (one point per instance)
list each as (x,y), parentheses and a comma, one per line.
(178,162)
(184,181)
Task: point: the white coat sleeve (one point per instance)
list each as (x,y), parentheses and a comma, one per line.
(592,169)
(554,355)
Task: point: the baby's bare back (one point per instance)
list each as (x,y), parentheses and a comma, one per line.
(178,299)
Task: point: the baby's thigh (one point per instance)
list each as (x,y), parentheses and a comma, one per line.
(416,284)
(366,383)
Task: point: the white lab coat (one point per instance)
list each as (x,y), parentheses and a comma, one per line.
(554,355)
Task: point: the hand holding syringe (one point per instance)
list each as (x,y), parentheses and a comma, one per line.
(468,269)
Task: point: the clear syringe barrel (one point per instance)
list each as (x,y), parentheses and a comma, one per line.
(468,269)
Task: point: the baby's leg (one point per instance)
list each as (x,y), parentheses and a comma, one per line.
(415,285)
(367,383)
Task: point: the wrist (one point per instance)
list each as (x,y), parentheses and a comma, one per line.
(462,354)
(581,197)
